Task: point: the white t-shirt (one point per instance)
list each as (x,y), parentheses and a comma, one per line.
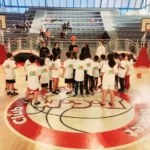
(100,51)
(109,76)
(56,64)
(130,65)
(117,61)
(50,71)
(44,74)
(89,66)
(9,66)
(80,68)
(47,61)
(26,64)
(122,72)
(68,65)
(96,69)
(102,63)
(33,73)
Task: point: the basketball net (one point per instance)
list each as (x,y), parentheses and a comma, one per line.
(143,40)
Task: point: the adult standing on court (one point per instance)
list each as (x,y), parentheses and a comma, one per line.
(56,49)
(44,49)
(72,46)
(100,50)
(85,49)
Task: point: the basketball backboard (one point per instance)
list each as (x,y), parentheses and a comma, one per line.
(145,24)
(2,21)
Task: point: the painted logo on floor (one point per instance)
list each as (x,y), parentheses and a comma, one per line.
(80,123)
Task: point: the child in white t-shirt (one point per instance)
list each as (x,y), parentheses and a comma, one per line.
(75,59)
(50,74)
(117,63)
(109,71)
(33,74)
(90,74)
(68,72)
(56,65)
(48,63)
(122,68)
(44,77)
(128,72)
(9,67)
(96,70)
(26,64)
(79,74)
(102,62)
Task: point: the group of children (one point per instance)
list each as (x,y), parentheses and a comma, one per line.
(82,73)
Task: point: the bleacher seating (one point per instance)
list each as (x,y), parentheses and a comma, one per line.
(129,27)
(15,18)
(80,21)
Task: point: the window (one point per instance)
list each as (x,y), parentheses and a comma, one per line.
(35,2)
(91,3)
(14,2)
(69,3)
(111,3)
(104,3)
(83,3)
(56,3)
(42,3)
(21,3)
(98,3)
(50,3)
(118,3)
(77,3)
(28,2)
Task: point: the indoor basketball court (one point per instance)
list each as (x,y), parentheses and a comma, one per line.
(65,120)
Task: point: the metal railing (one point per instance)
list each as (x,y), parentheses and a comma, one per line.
(110,46)
(125,45)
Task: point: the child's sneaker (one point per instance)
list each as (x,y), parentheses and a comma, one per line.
(14,94)
(58,90)
(100,86)
(87,93)
(25,100)
(74,96)
(91,91)
(9,93)
(37,103)
(67,93)
(55,93)
(82,96)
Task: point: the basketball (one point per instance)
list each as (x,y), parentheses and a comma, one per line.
(139,75)
(73,38)
(75,49)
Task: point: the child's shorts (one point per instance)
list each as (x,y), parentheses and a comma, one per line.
(11,81)
(33,90)
(69,80)
(44,85)
(108,87)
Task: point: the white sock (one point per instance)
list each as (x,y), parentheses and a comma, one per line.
(68,89)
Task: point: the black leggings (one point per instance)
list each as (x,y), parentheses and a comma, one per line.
(50,84)
(122,84)
(91,78)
